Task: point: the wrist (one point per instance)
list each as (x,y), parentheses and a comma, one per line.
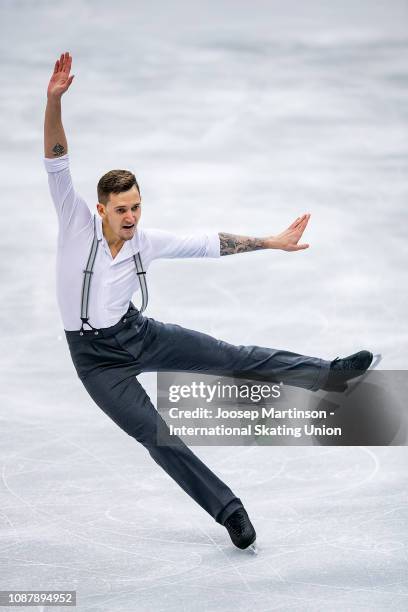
(54,99)
(272,243)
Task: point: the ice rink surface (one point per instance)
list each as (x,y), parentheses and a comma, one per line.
(235,117)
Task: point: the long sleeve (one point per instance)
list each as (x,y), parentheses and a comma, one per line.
(161,244)
(72,211)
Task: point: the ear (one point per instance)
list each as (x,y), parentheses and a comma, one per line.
(101,208)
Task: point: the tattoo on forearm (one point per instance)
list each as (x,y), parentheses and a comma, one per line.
(58,150)
(230,244)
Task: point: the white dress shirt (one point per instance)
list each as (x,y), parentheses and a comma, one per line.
(114,280)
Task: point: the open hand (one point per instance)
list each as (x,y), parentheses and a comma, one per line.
(60,79)
(288,240)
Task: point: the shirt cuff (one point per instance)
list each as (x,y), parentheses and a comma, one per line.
(213,245)
(56,164)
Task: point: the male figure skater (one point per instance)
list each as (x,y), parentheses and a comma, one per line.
(101,262)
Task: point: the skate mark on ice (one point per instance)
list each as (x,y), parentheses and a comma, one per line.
(60,520)
(351,487)
(234,567)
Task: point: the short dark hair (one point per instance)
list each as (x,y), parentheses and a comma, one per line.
(115,181)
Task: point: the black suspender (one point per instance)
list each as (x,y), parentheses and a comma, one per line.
(86,285)
(141,275)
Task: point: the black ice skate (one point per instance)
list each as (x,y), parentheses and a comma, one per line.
(241,530)
(343,370)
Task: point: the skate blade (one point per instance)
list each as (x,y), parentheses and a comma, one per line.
(354,383)
(253,548)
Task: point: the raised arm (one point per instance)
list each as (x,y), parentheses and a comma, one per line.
(55,142)
(73,213)
(231,244)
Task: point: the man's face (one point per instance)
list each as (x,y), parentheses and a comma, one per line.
(121,214)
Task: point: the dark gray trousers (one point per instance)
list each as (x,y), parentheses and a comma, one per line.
(107,362)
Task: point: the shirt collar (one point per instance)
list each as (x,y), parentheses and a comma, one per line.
(130,248)
(98,224)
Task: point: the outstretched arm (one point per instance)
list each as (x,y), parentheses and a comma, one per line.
(286,241)
(73,213)
(55,142)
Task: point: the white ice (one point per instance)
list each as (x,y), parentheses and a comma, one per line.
(236,117)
